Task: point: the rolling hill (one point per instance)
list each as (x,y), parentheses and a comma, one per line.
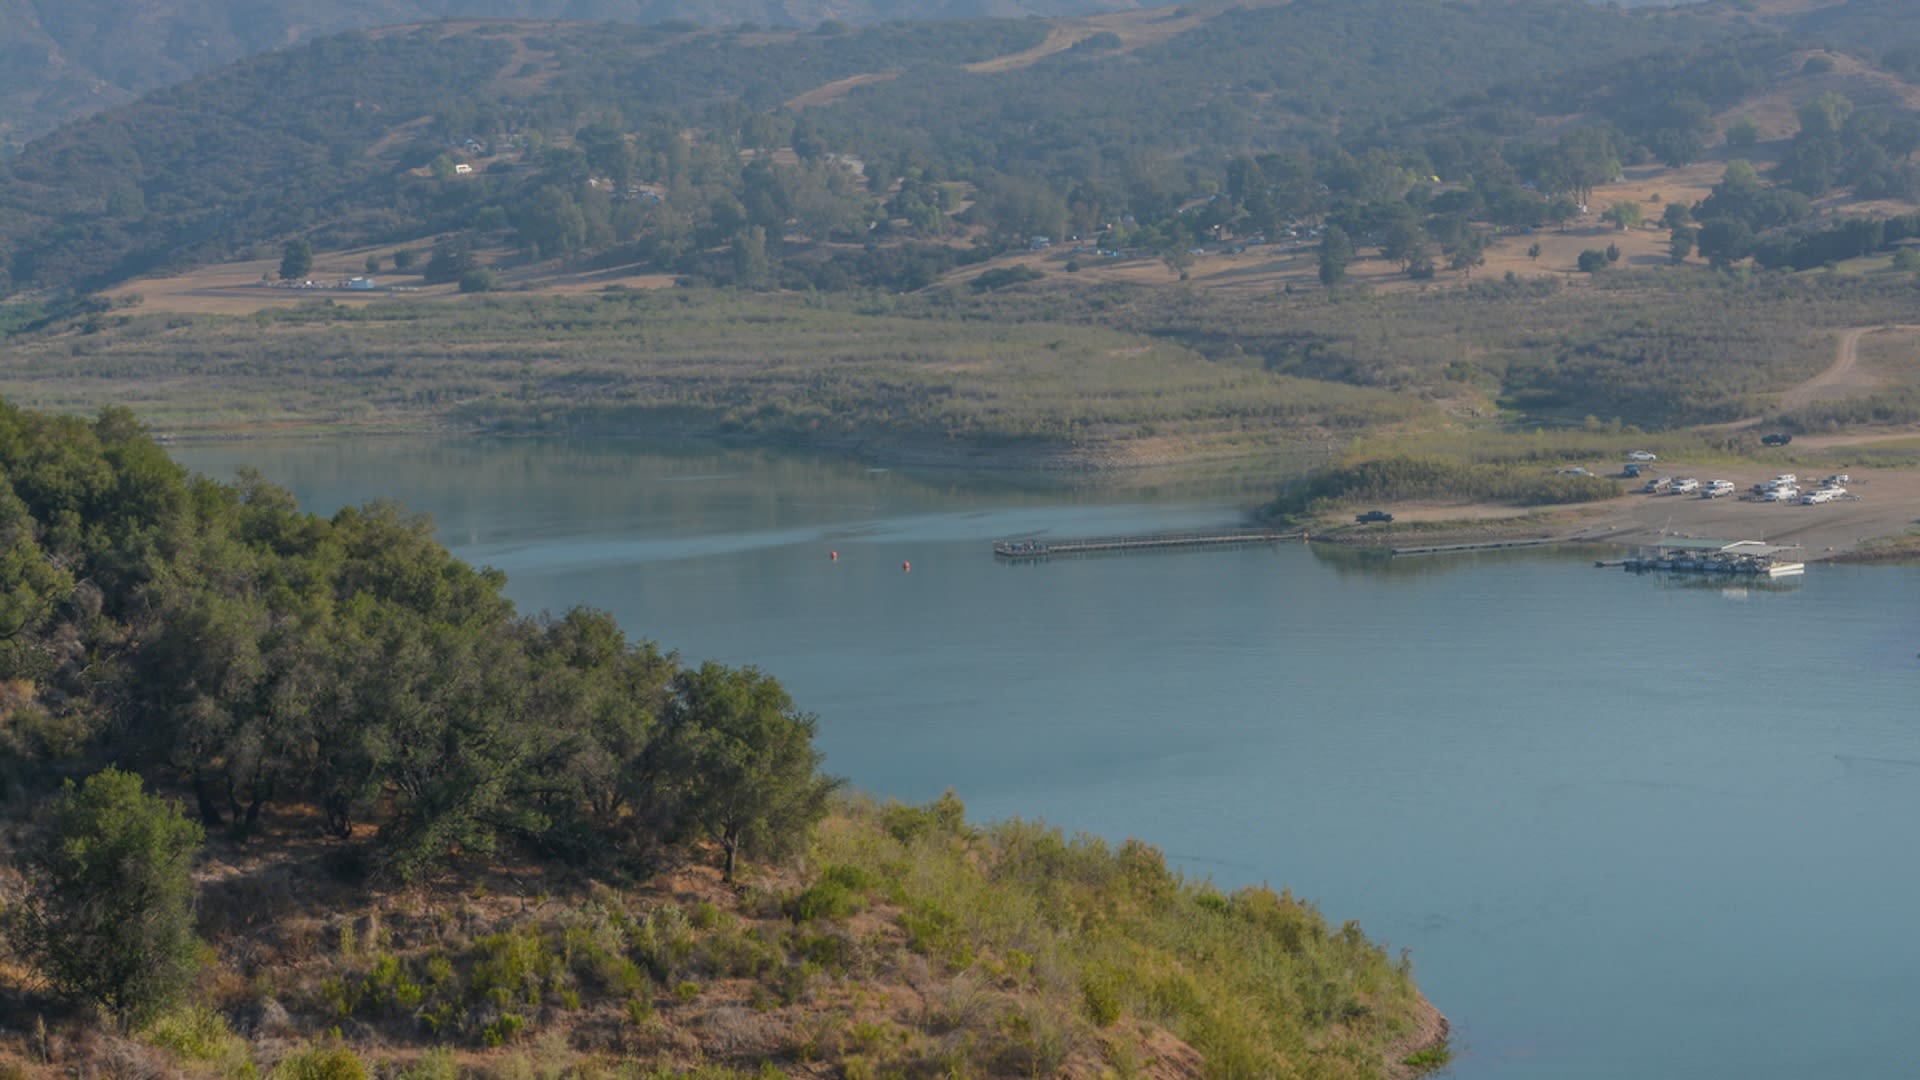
(885,155)
(61,61)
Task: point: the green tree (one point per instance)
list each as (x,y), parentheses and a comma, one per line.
(296,259)
(450,262)
(1624,215)
(404,259)
(1406,243)
(373,264)
(1725,241)
(1467,254)
(478,279)
(1336,253)
(108,914)
(748,760)
(1681,245)
(1906,260)
(1742,133)
(1592,261)
(1560,211)
(751,267)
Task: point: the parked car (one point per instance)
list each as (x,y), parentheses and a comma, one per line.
(1633,470)
(1372,516)
(1642,455)
(1778,438)
(1658,485)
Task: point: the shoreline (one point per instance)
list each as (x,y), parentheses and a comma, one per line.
(1873,529)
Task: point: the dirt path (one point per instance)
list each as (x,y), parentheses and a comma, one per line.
(837,89)
(1843,378)
(1059,39)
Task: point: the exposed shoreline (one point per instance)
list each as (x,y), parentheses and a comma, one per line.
(1869,530)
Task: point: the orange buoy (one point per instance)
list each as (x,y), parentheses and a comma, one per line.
(833,556)
(905,566)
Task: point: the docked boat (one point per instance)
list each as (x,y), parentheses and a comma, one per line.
(1742,558)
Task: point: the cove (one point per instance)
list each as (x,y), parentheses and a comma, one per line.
(1627,826)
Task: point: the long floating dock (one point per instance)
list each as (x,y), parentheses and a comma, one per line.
(1041,549)
(1485,545)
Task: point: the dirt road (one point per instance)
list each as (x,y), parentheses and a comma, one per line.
(1844,378)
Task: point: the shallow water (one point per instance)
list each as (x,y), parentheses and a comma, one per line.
(1627,827)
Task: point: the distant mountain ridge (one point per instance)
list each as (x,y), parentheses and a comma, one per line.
(64,59)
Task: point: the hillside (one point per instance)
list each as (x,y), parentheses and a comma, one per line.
(63,61)
(202,171)
(402,825)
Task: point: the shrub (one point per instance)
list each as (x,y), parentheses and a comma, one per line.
(436,1064)
(512,967)
(503,1029)
(1101,998)
(108,912)
(321,1063)
(825,899)
(479,279)
(200,1034)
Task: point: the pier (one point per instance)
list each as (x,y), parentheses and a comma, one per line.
(1484,545)
(1042,549)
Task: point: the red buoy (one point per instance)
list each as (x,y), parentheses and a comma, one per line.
(905,566)
(833,556)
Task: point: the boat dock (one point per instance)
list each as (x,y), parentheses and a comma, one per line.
(1042,549)
(1746,558)
(1484,545)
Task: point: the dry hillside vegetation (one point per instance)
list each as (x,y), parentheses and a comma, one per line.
(906,943)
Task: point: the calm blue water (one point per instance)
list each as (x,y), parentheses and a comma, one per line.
(1627,828)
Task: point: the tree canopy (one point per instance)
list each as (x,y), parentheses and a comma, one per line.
(212,636)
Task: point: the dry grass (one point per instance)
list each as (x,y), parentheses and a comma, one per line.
(839,88)
(906,943)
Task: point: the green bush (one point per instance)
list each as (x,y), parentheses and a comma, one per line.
(503,1029)
(512,967)
(108,912)
(197,1033)
(321,1063)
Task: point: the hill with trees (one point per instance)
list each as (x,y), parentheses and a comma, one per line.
(302,796)
(62,61)
(886,156)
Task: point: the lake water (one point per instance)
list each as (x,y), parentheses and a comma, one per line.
(1627,828)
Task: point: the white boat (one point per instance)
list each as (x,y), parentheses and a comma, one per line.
(1784,569)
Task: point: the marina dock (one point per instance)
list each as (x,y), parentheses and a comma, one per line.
(1751,558)
(1484,545)
(1042,549)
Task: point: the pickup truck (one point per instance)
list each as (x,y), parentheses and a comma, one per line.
(1778,438)
(1372,516)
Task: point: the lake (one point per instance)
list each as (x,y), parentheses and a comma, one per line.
(1627,826)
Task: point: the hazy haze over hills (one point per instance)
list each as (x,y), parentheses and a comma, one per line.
(62,59)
